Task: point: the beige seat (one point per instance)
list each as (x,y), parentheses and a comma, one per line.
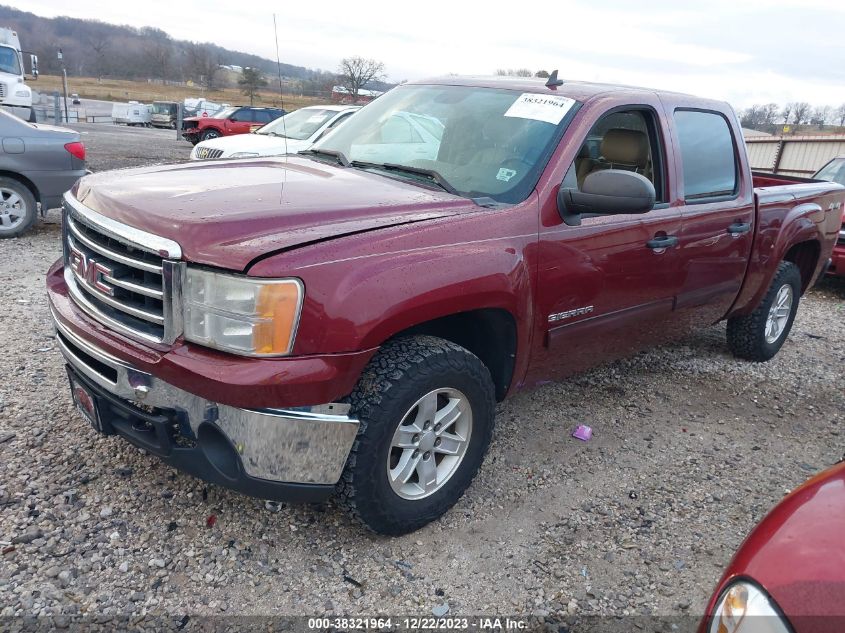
(620,149)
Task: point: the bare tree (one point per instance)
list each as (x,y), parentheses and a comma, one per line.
(542,74)
(770,112)
(159,52)
(821,115)
(800,112)
(250,82)
(100,44)
(356,72)
(203,64)
(840,115)
(753,117)
(786,112)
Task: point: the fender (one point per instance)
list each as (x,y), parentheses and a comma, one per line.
(779,229)
(362,289)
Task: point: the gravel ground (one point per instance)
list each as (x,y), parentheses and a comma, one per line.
(691,448)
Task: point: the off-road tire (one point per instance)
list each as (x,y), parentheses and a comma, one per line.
(400,373)
(747,334)
(29,201)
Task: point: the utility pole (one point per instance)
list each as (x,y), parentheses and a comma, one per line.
(64,83)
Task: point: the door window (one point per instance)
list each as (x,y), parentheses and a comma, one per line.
(627,140)
(242,116)
(708,155)
(261,116)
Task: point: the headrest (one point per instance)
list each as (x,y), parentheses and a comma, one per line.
(629,147)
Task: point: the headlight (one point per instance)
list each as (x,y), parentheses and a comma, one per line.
(244,155)
(22,93)
(743,608)
(243,315)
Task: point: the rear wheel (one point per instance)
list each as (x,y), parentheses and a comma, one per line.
(760,335)
(426,408)
(17,208)
(209,134)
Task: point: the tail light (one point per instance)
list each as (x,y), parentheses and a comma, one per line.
(76,149)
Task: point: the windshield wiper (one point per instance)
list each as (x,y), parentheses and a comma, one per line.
(430,174)
(338,156)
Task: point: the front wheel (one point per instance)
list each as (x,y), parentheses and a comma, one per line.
(426,407)
(209,134)
(760,335)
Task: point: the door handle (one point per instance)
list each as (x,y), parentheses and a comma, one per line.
(738,228)
(664,241)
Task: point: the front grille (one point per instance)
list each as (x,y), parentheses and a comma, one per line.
(207,153)
(3,91)
(121,284)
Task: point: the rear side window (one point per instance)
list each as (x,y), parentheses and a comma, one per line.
(707,154)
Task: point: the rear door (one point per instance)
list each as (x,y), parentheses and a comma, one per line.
(718,215)
(608,286)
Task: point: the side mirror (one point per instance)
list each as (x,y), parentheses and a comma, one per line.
(610,192)
(33,61)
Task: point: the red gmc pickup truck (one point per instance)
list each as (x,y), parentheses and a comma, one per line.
(345,320)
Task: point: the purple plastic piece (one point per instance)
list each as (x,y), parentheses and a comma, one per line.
(583,433)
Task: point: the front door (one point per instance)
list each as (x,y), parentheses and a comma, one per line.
(608,286)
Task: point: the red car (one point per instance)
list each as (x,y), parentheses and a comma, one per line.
(789,574)
(345,319)
(834,171)
(227,122)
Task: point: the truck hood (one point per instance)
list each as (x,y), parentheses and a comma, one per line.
(262,144)
(227,213)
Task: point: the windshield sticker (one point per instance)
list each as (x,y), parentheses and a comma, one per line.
(317,118)
(548,108)
(505,174)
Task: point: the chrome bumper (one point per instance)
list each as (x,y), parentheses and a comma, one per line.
(307,445)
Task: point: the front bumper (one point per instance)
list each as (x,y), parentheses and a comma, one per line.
(282,454)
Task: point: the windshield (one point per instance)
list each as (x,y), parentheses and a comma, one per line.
(298,125)
(834,171)
(483,142)
(9,61)
(163,108)
(225,113)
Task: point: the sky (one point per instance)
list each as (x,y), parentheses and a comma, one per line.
(743,51)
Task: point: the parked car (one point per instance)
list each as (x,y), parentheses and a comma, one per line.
(289,134)
(834,171)
(131,114)
(38,164)
(164,114)
(74,99)
(294,327)
(227,122)
(788,576)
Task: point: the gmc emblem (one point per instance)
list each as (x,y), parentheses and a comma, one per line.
(90,270)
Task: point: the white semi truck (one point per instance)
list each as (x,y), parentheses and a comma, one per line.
(15,95)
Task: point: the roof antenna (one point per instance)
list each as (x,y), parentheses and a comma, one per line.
(281,96)
(553,82)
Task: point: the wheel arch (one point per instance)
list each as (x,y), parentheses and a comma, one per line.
(26,182)
(489,333)
(805,255)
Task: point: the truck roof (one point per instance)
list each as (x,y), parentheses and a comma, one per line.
(578,90)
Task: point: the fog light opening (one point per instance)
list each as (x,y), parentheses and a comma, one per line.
(218,450)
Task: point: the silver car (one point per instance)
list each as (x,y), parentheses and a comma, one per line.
(38,163)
